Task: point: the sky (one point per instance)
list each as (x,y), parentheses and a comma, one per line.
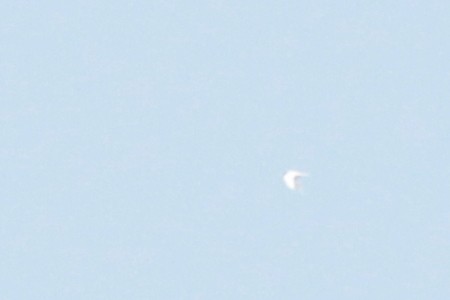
(143,145)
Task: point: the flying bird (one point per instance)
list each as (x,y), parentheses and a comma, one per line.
(292,179)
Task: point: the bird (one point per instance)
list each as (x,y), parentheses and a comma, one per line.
(292,179)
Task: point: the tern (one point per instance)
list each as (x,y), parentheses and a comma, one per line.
(292,179)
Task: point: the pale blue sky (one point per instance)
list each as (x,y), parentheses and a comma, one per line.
(143,145)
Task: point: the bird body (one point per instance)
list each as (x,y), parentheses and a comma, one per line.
(292,179)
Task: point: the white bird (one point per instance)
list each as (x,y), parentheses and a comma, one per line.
(292,179)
